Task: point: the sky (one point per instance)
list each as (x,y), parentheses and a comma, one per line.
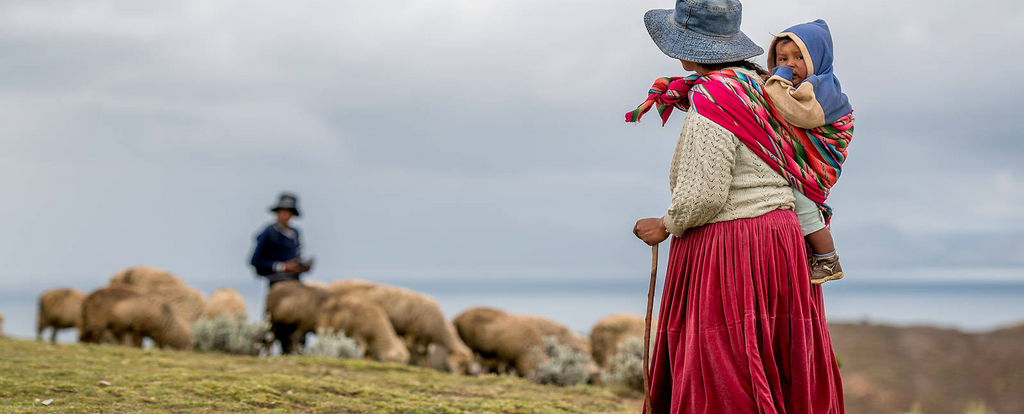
(466,141)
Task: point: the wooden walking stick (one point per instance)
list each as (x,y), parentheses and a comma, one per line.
(647,329)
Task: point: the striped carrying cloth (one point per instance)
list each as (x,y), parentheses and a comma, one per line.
(811,160)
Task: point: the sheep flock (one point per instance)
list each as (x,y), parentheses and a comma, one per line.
(350,318)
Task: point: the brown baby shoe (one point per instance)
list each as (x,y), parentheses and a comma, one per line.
(824,269)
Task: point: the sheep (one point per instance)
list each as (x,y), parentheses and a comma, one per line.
(502,337)
(146,278)
(367,323)
(294,310)
(417,317)
(565,336)
(186,301)
(348,286)
(227,303)
(611,331)
(316,283)
(122,310)
(58,309)
(562,334)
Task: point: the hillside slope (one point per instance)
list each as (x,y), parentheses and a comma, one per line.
(888,369)
(179,382)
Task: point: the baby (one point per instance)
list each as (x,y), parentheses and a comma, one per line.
(807,94)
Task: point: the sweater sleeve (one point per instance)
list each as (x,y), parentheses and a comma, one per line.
(701,173)
(259,260)
(797,104)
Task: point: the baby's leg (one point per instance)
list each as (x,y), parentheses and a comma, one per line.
(821,242)
(825,264)
(813,227)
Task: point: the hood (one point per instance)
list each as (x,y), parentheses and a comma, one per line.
(815,42)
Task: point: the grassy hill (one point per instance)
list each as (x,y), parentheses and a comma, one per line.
(178,382)
(916,370)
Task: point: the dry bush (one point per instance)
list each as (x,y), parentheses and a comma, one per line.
(330,344)
(565,366)
(626,368)
(231,335)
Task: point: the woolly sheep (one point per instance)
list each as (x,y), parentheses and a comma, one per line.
(497,335)
(294,310)
(562,334)
(367,323)
(417,317)
(58,309)
(124,310)
(316,283)
(565,336)
(349,286)
(611,331)
(225,303)
(185,300)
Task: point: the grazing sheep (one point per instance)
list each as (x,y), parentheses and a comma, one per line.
(226,303)
(367,323)
(565,336)
(415,316)
(503,337)
(146,278)
(294,310)
(185,301)
(611,331)
(562,334)
(319,284)
(58,309)
(124,310)
(493,365)
(347,286)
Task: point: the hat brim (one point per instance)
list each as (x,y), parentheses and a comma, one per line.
(694,47)
(294,210)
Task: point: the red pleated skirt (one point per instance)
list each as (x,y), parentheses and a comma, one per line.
(741,328)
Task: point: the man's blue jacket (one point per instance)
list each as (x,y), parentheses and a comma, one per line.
(274,246)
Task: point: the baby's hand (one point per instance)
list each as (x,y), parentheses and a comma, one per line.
(784,72)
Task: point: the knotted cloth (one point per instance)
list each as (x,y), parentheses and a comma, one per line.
(810,160)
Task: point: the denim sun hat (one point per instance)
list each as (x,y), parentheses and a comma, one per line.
(702,31)
(287,201)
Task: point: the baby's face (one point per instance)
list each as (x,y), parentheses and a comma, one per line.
(788,54)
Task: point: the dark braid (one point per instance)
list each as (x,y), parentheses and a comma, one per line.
(746,64)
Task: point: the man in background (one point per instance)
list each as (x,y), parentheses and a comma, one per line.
(278,253)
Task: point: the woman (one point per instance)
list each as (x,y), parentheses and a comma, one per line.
(741,328)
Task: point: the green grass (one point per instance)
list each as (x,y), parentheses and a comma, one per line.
(184,382)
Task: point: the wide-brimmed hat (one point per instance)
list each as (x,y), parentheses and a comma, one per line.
(702,31)
(287,201)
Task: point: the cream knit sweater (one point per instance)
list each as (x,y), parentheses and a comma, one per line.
(715,177)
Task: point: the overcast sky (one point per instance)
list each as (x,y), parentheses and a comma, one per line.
(476,139)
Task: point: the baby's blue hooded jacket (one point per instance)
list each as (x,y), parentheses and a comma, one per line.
(818,100)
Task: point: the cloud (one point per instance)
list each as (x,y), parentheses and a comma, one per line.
(458,137)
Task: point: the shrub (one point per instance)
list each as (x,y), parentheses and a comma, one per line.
(233,336)
(332,344)
(627,369)
(564,366)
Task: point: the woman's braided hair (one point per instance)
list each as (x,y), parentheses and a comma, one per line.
(746,64)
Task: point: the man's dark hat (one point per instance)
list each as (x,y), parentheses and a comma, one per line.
(287,201)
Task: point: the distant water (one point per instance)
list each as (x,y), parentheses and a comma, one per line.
(973,307)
